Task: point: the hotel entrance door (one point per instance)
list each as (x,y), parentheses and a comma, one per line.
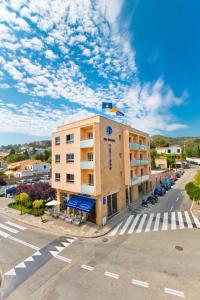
(112,204)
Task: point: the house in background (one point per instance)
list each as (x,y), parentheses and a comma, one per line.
(27,168)
(3,164)
(161,162)
(174,149)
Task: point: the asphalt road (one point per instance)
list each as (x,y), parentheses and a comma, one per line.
(155,265)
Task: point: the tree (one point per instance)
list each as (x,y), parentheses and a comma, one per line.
(37,206)
(197,179)
(159,141)
(37,203)
(39,190)
(22,198)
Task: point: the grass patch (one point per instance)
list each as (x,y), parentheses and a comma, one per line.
(26,210)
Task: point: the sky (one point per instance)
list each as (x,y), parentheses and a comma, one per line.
(60,59)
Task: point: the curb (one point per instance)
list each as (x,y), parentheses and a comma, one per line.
(50,232)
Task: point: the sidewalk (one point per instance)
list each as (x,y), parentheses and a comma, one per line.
(60,227)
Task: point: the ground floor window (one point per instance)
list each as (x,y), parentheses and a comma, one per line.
(63,200)
(112,204)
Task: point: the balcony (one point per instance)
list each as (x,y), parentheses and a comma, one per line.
(87,189)
(134,146)
(139,162)
(87,165)
(87,143)
(138,180)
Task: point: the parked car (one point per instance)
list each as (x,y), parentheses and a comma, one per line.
(21,181)
(2,182)
(2,192)
(170,181)
(166,184)
(173,176)
(159,190)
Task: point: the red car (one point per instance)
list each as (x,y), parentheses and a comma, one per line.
(173,176)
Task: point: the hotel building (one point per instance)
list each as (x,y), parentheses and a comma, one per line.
(99,167)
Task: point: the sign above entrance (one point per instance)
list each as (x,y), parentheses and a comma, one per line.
(109,130)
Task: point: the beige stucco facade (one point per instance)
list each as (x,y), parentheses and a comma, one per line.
(108,160)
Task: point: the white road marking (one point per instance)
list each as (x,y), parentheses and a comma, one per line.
(70,240)
(4,234)
(16,225)
(189,222)
(140,283)
(175,292)
(139,229)
(196,221)
(30,258)
(60,248)
(23,243)
(128,221)
(89,268)
(156,225)
(11,273)
(173,221)
(8,228)
(65,244)
(21,265)
(37,253)
(134,224)
(180,219)
(171,208)
(177,199)
(165,221)
(113,275)
(149,223)
(65,259)
(114,231)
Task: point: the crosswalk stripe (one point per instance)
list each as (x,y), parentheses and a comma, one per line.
(173,221)
(4,234)
(114,231)
(180,219)
(134,224)
(165,221)
(128,221)
(189,222)
(196,221)
(156,225)
(15,225)
(8,228)
(149,223)
(146,222)
(139,229)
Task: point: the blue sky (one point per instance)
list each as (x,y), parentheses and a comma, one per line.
(59,59)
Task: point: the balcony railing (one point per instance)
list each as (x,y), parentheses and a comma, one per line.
(139,162)
(134,146)
(139,180)
(87,165)
(87,143)
(87,189)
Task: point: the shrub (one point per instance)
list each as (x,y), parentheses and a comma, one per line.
(39,190)
(193,191)
(38,209)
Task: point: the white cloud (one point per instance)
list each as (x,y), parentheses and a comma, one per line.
(36,118)
(81,33)
(49,54)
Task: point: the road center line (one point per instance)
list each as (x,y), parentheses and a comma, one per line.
(177,199)
(171,208)
(140,283)
(86,267)
(112,275)
(174,292)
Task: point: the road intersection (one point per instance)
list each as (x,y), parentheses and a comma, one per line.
(143,257)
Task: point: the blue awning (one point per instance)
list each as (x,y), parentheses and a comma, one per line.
(81,203)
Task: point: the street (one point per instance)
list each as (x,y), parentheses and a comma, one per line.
(152,254)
